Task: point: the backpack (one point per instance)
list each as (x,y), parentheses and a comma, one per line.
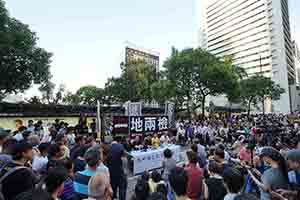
(8,173)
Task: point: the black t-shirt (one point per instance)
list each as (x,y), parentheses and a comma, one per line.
(115,164)
(19,181)
(216,189)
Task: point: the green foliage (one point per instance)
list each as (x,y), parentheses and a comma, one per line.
(257,88)
(89,95)
(22,62)
(49,96)
(195,74)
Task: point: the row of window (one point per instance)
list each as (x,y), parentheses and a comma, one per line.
(234,14)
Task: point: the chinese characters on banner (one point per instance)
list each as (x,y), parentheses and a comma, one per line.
(139,125)
(148,124)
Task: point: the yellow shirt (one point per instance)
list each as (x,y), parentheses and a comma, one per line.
(155,142)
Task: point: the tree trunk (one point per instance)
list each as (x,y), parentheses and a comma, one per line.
(203,106)
(263,106)
(249,108)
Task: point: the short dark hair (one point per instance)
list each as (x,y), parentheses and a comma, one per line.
(44,147)
(55,178)
(142,189)
(194,148)
(54,149)
(178,180)
(214,167)
(68,163)
(219,152)
(145,176)
(192,156)
(20,148)
(233,179)
(156,176)
(92,157)
(9,145)
(168,153)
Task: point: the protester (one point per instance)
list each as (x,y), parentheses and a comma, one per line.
(168,164)
(3,136)
(155,141)
(99,187)
(79,143)
(214,187)
(195,177)
(293,158)
(79,161)
(54,181)
(178,180)
(141,191)
(68,192)
(15,173)
(7,151)
(81,180)
(234,182)
(116,170)
(40,161)
(274,178)
(154,181)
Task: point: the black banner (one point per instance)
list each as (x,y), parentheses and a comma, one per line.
(120,125)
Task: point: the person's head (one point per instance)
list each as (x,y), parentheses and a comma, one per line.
(192,157)
(79,140)
(57,150)
(61,138)
(178,179)
(141,189)
(194,148)
(214,168)
(233,180)
(145,176)
(293,158)
(219,155)
(118,139)
(155,176)
(272,157)
(56,121)
(168,153)
(19,123)
(9,146)
(44,149)
(54,181)
(69,166)
(155,135)
(92,157)
(34,140)
(30,122)
(94,120)
(23,151)
(98,186)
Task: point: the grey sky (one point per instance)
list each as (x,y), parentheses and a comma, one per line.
(87,36)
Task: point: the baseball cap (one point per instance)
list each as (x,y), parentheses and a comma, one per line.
(293,155)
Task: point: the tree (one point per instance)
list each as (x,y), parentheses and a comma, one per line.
(196,74)
(22,62)
(90,94)
(47,90)
(162,91)
(71,99)
(257,88)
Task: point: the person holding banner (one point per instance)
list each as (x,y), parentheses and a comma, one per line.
(155,141)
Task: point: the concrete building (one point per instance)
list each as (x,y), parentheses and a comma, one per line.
(256,33)
(133,52)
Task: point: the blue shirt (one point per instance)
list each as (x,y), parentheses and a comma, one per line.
(81,182)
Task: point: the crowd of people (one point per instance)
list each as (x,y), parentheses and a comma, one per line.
(240,157)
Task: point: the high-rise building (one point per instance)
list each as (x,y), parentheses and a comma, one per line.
(133,53)
(296,54)
(256,33)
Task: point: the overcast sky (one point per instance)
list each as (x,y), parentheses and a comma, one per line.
(87,36)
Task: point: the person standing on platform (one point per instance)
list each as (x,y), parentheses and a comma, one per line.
(155,141)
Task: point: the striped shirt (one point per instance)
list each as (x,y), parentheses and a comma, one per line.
(69,191)
(81,182)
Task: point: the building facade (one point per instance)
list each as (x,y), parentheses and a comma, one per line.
(133,53)
(256,33)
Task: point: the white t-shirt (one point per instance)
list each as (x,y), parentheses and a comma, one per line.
(39,163)
(19,137)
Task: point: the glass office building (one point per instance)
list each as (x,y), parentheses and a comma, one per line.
(256,33)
